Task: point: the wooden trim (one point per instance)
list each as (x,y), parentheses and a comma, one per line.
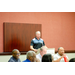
(67,51)
(10,53)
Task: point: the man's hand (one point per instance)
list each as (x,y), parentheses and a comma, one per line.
(35,50)
(66,57)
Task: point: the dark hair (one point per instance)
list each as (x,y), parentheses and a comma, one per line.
(72,60)
(47,58)
(59,48)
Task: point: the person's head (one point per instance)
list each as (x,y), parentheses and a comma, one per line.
(61,51)
(47,58)
(43,50)
(31,56)
(16,53)
(38,34)
(72,60)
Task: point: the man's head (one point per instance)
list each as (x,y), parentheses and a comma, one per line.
(31,56)
(61,51)
(43,50)
(38,34)
(16,53)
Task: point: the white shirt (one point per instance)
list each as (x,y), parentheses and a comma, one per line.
(57,56)
(39,57)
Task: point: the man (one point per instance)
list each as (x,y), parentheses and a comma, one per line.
(31,57)
(15,56)
(59,57)
(43,50)
(37,42)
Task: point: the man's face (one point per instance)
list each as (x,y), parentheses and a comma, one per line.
(61,51)
(16,54)
(38,35)
(44,51)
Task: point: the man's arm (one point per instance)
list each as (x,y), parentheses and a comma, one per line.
(58,60)
(31,47)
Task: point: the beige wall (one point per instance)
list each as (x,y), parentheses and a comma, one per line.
(5,58)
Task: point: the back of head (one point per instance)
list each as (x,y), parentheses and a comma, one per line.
(30,53)
(42,48)
(47,58)
(72,60)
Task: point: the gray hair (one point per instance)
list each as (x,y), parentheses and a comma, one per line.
(37,32)
(43,47)
(29,53)
(14,50)
(59,48)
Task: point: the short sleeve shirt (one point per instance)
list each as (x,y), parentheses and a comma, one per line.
(37,43)
(57,56)
(39,57)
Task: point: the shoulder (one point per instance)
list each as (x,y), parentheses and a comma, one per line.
(38,55)
(56,55)
(33,39)
(11,59)
(41,39)
(26,60)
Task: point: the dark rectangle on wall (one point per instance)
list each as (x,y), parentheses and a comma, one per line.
(18,36)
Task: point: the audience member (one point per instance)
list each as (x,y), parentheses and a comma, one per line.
(31,57)
(72,60)
(15,56)
(47,58)
(59,57)
(43,50)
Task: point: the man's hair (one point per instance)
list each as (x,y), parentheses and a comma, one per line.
(47,58)
(59,48)
(37,32)
(43,47)
(30,53)
(14,50)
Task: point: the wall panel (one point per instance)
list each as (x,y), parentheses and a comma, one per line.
(19,36)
